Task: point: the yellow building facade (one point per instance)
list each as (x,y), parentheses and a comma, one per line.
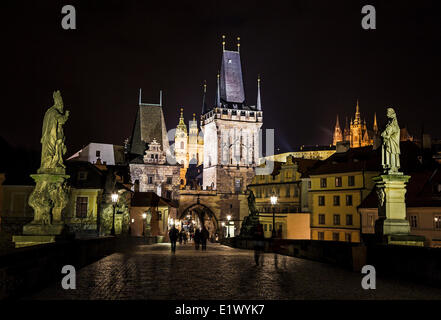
(338,186)
(285,183)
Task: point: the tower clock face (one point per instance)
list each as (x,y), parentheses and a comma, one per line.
(182,135)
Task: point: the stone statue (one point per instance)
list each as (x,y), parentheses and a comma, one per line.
(390,157)
(252,220)
(52,139)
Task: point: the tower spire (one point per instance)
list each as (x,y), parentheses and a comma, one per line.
(217,99)
(357,119)
(204,105)
(259,103)
(223,42)
(238,44)
(139,101)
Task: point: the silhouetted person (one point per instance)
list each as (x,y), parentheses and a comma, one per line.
(180,237)
(197,238)
(204,237)
(259,242)
(173,235)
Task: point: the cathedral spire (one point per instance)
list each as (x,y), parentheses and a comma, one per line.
(204,104)
(338,135)
(238,44)
(357,119)
(375,128)
(259,103)
(223,42)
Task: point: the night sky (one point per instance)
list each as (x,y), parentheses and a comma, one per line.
(314,59)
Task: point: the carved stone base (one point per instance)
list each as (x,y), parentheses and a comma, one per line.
(41,229)
(405,240)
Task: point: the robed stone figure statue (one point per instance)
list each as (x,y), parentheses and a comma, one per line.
(52,139)
(390,158)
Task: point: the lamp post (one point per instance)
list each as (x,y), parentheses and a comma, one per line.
(114,201)
(228,227)
(144,216)
(223,226)
(274,202)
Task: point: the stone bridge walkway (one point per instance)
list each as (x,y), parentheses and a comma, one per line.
(152,272)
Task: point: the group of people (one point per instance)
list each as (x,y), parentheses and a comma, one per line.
(200,238)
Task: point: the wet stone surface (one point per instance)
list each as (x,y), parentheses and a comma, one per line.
(152,272)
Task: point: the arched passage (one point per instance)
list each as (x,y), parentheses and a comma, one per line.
(200,215)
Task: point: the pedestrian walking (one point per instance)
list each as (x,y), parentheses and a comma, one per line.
(259,243)
(180,237)
(204,237)
(197,238)
(173,234)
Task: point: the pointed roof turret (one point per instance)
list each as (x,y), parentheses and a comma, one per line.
(259,103)
(204,104)
(217,102)
(357,119)
(231,81)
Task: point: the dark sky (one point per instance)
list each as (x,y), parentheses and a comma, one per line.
(314,59)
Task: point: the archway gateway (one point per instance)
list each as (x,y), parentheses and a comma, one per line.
(198,215)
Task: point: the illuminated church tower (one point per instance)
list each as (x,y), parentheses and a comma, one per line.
(231,130)
(181,140)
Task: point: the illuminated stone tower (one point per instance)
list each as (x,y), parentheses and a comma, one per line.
(231,130)
(181,140)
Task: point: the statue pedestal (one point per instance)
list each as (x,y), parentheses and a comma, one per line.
(392,226)
(48,199)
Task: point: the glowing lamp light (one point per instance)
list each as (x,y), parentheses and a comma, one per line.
(228,218)
(223,224)
(133,220)
(273,200)
(114,197)
(144,216)
(436,219)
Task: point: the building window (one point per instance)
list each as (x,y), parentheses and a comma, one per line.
(150,180)
(182,145)
(98,153)
(351,181)
(287,192)
(349,220)
(270,227)
(349,200)
(309,184)
(413,221)
(237,185)
(169,180)
(168,194)
(81,207)
(336,200)
(437,220)
(321,200)
(296,191)
(348,237)
(182,181)
(322,182)
(321,236)
(338,182)
(336,219)
(321,219)
(265,227)
(371,220)
(336,236)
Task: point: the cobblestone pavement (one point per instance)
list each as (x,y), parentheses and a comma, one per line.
(152,272)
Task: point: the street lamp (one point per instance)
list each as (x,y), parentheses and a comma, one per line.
(144,216)
(228,228)
(114,200)
(274,202)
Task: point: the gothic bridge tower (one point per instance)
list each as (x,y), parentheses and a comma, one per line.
(231,130)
